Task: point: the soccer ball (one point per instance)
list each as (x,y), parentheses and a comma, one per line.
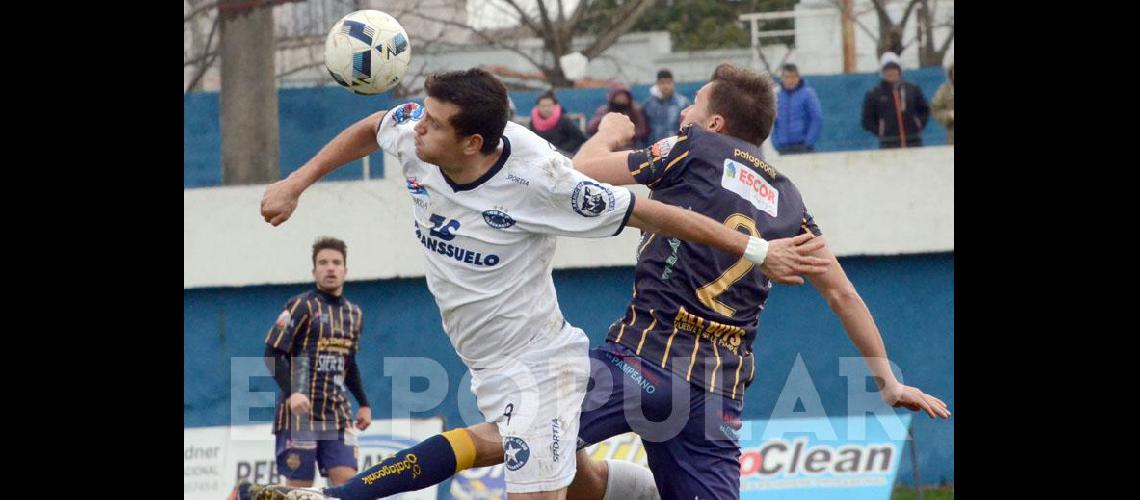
(367,52)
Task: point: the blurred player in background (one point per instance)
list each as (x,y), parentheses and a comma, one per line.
(489,199)
(689,331)
(311,352)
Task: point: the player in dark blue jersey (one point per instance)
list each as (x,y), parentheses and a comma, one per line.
(689,330)
(675,367)
(311,351)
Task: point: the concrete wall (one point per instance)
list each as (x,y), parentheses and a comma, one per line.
(867,202)
(911,298)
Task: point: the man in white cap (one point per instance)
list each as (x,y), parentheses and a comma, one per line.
(895,110)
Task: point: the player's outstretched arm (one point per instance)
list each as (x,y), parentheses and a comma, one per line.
(781,260)
(845,302)
(355,142)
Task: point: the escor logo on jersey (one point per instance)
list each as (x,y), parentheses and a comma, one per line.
(590,199)
(751,186)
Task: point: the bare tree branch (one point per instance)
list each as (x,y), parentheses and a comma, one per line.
(906,13)
(490,40)
(946,44)
(300,68)
(561,13)
(854,18)
(523,17)
(198,10)
(579,12)
(207,59)
(626,19)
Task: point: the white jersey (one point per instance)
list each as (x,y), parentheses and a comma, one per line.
(488,245)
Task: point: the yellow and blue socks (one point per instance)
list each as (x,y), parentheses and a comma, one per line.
(427,463)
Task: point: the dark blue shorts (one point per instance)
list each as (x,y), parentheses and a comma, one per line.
(296,458)
(690,435)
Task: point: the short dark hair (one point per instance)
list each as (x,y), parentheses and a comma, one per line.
(549,94)
(328,242)
(482,100)
(664,74)
(791,67)
(745,100)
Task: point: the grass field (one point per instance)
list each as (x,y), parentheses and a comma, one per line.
(928,493)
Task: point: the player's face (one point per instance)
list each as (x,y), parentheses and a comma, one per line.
(330,270)
(891,75)
(666,86)
(698,112)
(546,107)
(436,140)
(790,79)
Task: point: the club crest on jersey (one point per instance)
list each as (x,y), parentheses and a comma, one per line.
(414,186)
(284,320)
(751,186)
(590,199)
(409,111)
(515,453)
(497,218)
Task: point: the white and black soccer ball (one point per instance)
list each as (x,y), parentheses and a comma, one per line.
(367,52)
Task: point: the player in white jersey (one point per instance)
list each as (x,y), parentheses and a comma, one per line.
(489,199)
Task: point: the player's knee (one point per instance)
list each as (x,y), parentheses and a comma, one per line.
(488,444)
(589,480)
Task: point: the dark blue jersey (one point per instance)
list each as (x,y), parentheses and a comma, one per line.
(695,309)
(318,331)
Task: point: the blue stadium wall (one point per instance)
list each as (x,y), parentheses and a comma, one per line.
(911,297)
(310,117)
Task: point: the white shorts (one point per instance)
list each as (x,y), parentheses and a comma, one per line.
(536,399)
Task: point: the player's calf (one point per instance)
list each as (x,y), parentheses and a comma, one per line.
(425,464)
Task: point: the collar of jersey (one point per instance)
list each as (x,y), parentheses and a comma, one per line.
(486,176)
(330,298)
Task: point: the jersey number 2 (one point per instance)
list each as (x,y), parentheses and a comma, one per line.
(708,293)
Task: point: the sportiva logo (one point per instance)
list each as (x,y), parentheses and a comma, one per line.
(779,457)
(590,199)
(751,186)
(555,434)
(498,219)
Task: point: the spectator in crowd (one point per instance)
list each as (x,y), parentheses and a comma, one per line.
(548,121)
(663,108)
(798,116)
(895,110)
(943,105)
(620,100)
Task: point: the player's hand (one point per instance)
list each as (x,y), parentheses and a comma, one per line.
(279,201)
(299,404)
(790,257)
(363,417)
(914,400)
(618,129)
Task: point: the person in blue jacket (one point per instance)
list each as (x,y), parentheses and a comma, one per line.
(798,115)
